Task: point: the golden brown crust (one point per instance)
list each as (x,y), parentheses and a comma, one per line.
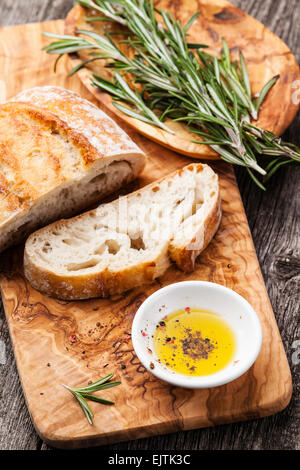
(45,117)
(102,285)
(19,194)
(83,118)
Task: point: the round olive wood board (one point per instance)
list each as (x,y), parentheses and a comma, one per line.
(42,328)
(266,55)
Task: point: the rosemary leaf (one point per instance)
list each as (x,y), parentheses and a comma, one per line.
(82,394)
(94,386)
(91,397)
(265,91)
(191,21)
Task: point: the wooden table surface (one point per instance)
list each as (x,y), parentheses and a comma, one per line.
(274,221)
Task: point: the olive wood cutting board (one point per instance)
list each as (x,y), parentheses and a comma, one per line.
(43,329)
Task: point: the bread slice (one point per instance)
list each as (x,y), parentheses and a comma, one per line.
(127,242)
(58,154)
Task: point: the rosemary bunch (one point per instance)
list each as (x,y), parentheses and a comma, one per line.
(175,79)
(83,394)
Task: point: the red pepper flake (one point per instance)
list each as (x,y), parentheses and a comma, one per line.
(188,309)
(149,350)
(165,317)
(143,333)
(117,324)
(172,341)
(72,338)
(235,362)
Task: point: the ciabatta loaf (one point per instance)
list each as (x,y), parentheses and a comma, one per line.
(127,242)
(58,154)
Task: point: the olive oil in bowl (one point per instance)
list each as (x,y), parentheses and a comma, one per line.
(194,342)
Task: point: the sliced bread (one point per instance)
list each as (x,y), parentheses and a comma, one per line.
(58,154)
(127,242)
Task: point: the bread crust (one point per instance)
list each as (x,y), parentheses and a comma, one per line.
(86,122)
(45,117)
(102,285)
(107,283)
(185,257)
(54,122)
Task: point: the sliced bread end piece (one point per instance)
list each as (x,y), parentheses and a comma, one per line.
(128,242)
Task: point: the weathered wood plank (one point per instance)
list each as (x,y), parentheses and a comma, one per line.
(273,220)
(24,11)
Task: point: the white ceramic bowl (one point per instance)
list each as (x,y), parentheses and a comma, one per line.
(203,295)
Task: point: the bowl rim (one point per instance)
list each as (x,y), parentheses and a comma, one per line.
(185,381)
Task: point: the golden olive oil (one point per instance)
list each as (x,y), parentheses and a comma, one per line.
(194,342)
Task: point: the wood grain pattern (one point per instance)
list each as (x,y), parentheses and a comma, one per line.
(41,327)
(265,53)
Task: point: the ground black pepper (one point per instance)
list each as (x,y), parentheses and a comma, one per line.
(194,346)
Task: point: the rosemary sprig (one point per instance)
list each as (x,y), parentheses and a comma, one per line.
(171,78)
(82,394)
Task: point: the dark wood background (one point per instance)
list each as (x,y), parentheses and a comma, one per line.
(274,221)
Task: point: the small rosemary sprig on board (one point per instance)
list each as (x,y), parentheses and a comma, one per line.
(178,80)
(82,394)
